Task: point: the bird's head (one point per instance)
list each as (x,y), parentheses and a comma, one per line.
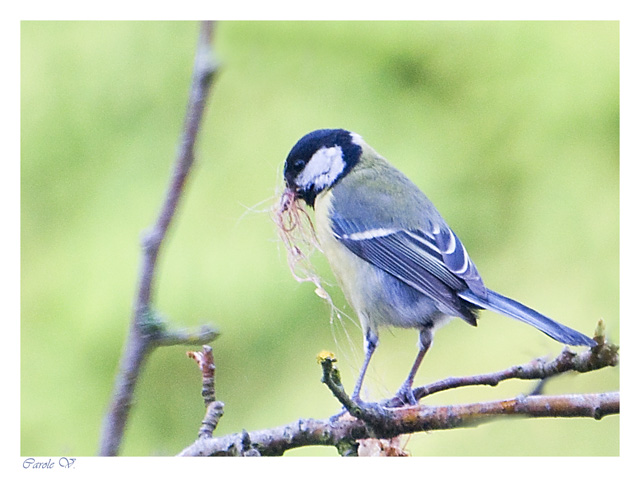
(319,160)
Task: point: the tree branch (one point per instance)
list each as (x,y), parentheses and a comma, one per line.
(602,355)
(214,409)
(379,421)
(345,432)
(147,330)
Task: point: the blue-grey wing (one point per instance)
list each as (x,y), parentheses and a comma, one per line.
(457,260)
(433,262)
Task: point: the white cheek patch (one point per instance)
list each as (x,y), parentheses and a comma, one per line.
(322,169)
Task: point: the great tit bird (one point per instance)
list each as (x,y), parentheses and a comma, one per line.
(395,258)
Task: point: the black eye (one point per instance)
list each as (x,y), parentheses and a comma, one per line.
(299,164)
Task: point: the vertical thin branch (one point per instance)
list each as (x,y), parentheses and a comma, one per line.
(203,72)
(146,332)
(214,409)
(207,366)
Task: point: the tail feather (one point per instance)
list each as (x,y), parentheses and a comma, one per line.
(511,308)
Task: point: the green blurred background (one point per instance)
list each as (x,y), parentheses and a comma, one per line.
(511,128)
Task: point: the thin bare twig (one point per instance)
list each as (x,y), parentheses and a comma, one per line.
(146,330)
(214,409)
(602,355)
(207,366)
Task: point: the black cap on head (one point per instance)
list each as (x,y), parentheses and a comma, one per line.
(310,144)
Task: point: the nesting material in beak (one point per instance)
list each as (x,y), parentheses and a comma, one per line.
(296,231)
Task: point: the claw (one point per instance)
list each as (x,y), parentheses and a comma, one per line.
(405,395)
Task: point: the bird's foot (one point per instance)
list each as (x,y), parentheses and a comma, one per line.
(404,396)
(338,416)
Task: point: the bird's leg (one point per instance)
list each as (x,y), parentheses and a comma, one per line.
(370,344)
(405,393)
